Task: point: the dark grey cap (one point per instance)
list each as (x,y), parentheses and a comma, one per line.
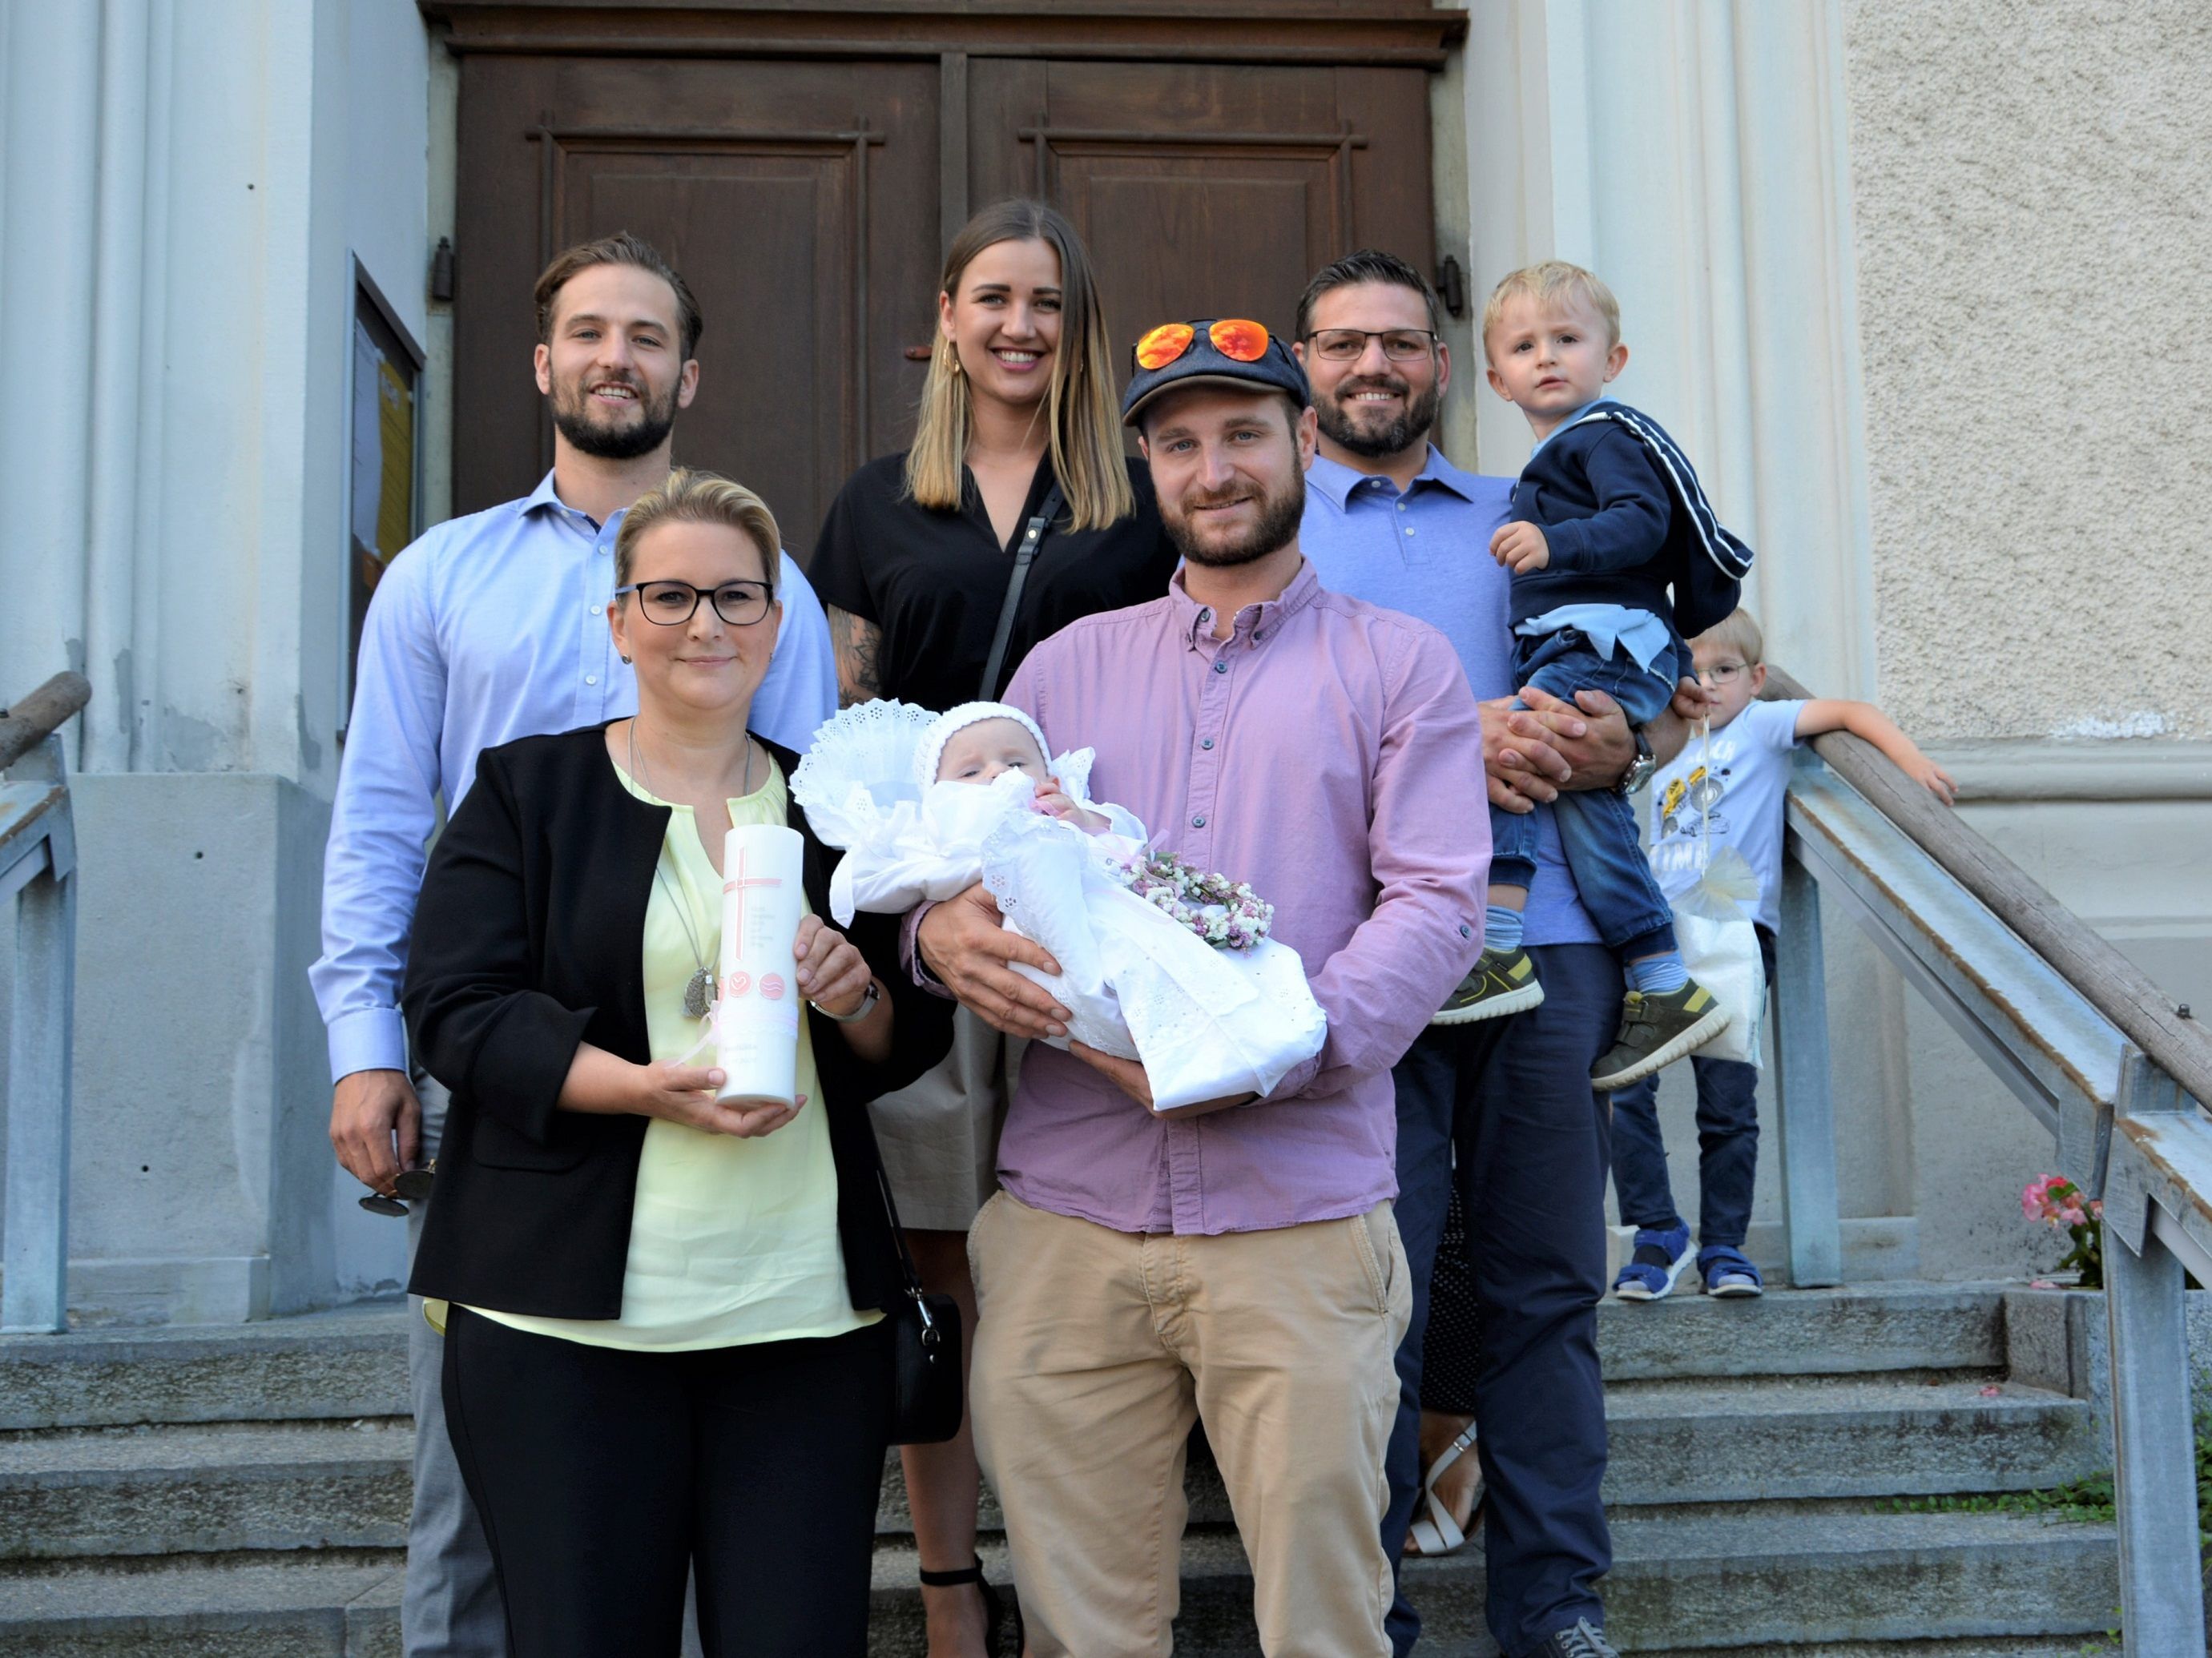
(1274,370)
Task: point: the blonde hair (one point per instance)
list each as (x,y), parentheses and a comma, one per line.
(1739,630)
(1553,282)
(1085,427)
(689,497)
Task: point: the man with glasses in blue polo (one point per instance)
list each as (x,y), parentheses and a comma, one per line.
(487,629)
(1495,1095)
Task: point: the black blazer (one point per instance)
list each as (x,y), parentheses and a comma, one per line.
(526,942)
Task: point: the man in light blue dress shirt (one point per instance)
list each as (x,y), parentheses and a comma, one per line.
(1503,1107)
(488,628)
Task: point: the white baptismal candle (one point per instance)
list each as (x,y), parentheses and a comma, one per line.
(756,1016)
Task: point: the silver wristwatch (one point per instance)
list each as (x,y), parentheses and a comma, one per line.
(868,1000)
(1640,768)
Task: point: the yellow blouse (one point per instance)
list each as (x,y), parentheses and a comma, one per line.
(731,1241)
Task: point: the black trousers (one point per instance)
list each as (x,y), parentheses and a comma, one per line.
(605,1477)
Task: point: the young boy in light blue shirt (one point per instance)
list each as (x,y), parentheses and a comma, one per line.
(1725,792)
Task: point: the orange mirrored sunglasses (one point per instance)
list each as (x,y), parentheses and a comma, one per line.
(1237,338)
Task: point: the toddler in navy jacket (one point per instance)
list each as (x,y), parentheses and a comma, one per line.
(1615,555)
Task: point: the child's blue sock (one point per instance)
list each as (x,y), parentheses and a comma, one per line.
(1501,928)
(1658,975)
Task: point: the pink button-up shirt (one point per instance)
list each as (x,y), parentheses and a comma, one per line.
(1328,752)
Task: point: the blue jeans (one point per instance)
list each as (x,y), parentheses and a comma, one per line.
(1504,1109)
(1597,827)
(1727,1146)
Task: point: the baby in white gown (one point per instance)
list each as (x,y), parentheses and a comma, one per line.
(926,804)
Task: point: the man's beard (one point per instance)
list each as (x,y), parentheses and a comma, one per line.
(1277,526)
(578,421)
(1338,425)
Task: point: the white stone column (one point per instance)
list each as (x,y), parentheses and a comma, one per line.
(1692,155)
(48,125)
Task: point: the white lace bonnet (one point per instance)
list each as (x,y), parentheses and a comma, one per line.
(931,749)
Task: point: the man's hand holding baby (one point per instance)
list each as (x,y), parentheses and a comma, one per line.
(1520,548)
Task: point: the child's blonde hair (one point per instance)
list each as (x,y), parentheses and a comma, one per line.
(1553,282)
(1738,631)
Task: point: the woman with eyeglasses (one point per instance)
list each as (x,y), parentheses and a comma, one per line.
(664,1345)
(1018,431)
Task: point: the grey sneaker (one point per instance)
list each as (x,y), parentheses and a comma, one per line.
(1502,981)
(1657,1030)
(1585,1640)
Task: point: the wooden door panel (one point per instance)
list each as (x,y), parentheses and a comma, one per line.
(799,199)
(1208,188)
(1167,219)
(770,231)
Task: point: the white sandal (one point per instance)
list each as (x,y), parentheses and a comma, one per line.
(1439,1532)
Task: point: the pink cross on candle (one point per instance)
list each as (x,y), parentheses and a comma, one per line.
(738,885)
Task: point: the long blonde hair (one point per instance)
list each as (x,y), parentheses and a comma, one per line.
(1085,427)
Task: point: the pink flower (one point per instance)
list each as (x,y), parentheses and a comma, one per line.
(2032,1197)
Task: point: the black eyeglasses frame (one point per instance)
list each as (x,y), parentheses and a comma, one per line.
(767,590)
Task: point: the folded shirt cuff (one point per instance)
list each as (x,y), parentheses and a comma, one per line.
(910,950)
(367,1039)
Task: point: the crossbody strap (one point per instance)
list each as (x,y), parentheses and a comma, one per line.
(1032,538)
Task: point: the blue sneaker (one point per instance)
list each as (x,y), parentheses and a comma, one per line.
(1662,1254)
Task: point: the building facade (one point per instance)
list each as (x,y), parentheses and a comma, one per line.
(1908,282)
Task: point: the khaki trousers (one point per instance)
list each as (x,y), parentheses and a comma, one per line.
(1096,1350)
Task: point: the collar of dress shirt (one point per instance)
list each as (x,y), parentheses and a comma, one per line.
(1336,481)
(545,495)
(1255,623)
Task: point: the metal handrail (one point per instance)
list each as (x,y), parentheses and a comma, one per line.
(38,876)
(2112,984)
(39,715)
(2084,1039)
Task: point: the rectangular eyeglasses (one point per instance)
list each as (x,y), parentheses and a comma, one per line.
(673,603)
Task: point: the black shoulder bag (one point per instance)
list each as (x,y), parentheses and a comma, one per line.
(1024,556)
(924,1330)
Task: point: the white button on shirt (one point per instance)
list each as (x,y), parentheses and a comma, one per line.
(488,628)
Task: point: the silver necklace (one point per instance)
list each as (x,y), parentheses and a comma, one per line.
(699,991)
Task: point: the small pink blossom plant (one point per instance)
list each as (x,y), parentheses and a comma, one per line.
(2057,1203)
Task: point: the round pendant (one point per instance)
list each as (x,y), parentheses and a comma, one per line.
(697,995)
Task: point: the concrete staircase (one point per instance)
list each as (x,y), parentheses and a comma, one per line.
(244,1492)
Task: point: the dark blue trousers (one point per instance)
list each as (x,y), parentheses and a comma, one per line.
(1727,1146)
(1504,1107)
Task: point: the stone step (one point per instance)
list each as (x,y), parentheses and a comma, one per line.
(334,1366)
(338,1603)
(116,1492)
(1841,1585)
(1842,1436)
(1777,1439)
(1861,1327)
(351,1362)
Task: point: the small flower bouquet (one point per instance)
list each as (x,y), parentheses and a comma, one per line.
(2057,1202)
(1225,914)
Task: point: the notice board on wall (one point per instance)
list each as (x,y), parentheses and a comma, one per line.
(384,454)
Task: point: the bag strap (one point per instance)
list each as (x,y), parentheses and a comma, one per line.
(929,1331)
(1032,538)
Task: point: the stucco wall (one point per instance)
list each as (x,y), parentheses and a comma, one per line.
(2029,181)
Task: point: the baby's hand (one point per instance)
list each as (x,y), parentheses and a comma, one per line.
(1520,548)
(1054,802)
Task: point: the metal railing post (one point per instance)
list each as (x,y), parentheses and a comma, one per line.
(1805,1112)
(2154,1432)
(35,1245)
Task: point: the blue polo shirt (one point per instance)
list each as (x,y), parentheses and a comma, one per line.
(1426,552)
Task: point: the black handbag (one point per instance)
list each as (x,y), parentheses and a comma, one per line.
(925,1351)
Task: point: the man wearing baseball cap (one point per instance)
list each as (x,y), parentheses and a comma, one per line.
(1235,1264)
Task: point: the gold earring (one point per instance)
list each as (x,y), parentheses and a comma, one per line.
(952,359)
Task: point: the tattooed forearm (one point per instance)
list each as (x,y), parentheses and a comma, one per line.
(858,646)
